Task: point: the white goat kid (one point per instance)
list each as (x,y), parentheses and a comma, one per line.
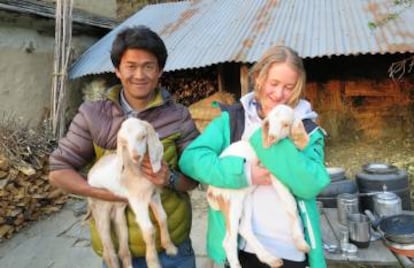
(237,208)
(120,173)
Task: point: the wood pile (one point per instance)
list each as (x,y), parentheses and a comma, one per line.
(205,110)
(190,86)
(25,193)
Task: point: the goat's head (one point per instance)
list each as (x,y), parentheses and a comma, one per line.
(277,124)
(137,137)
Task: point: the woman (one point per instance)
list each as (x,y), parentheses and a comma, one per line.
(279,78)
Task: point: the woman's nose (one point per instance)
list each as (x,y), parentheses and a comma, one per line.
(278,92)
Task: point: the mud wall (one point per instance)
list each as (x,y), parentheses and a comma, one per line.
(357,100)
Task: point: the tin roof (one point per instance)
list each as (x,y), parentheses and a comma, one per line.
(205,32)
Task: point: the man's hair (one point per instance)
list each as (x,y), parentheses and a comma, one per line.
(138,37)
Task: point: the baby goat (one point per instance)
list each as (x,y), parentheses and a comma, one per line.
(120,173)
(237,209)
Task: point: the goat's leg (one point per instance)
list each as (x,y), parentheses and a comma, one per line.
(161,217)
(101,213)
(292,210)
(246,231)
(140,208)
(232,211)
(121,228)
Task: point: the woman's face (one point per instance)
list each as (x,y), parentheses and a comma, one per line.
(278,86)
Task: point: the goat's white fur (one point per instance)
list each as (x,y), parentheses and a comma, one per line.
(120,173)
(238,211)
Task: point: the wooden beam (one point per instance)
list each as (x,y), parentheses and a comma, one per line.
(48,10)
(244,79)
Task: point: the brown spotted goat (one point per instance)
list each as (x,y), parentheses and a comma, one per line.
(237,210)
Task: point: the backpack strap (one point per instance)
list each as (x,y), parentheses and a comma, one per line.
(236,115)
(309,125)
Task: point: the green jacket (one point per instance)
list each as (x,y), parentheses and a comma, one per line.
(303,172)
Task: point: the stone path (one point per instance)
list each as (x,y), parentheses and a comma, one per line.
(62,240)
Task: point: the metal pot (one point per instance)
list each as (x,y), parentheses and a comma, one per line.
(397,228)
(387,204)
(401,249)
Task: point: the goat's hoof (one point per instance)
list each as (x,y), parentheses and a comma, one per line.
(270,260)
(235,265)
(276,263)
(171,250)
(154,265)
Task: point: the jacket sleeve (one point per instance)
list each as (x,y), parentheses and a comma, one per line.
(188,130)
(75,150)
(200,160)
(303,172)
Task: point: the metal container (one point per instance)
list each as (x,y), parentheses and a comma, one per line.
(359,230)
(387,204)
(374,177)
(347,204)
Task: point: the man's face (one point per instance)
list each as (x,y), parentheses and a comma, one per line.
(139,73)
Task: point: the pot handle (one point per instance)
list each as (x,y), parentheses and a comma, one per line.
(374,222)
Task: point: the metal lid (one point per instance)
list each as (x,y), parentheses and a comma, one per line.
(379,168)
(386,196)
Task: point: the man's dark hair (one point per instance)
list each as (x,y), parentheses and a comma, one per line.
(138,37)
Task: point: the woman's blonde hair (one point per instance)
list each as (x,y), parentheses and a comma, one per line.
(274,55)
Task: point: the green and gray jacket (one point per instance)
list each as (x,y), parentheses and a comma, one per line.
(303,172)
(93,131)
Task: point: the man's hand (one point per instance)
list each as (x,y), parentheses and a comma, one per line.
(159,178)
(259,174)
(298,135)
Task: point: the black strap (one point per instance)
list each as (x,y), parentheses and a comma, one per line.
(236,115)
(309,125)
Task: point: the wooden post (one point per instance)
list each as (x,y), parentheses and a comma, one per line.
(244,79)
(63,40)
(220,78)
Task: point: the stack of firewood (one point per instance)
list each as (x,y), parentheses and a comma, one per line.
(25,193)
(190,86)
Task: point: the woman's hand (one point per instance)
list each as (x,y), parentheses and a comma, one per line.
(259,175)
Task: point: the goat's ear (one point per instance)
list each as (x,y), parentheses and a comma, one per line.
(155,148)
(298,134)
(265,133)
(120,152)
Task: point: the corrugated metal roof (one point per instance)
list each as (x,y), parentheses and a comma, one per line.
(205,32)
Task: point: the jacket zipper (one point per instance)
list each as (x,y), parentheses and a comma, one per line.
(311,234)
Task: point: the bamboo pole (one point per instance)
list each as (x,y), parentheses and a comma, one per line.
(62,52)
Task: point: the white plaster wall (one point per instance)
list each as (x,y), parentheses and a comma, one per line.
(26,68)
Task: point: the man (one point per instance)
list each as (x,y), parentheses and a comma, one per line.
(138,55)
